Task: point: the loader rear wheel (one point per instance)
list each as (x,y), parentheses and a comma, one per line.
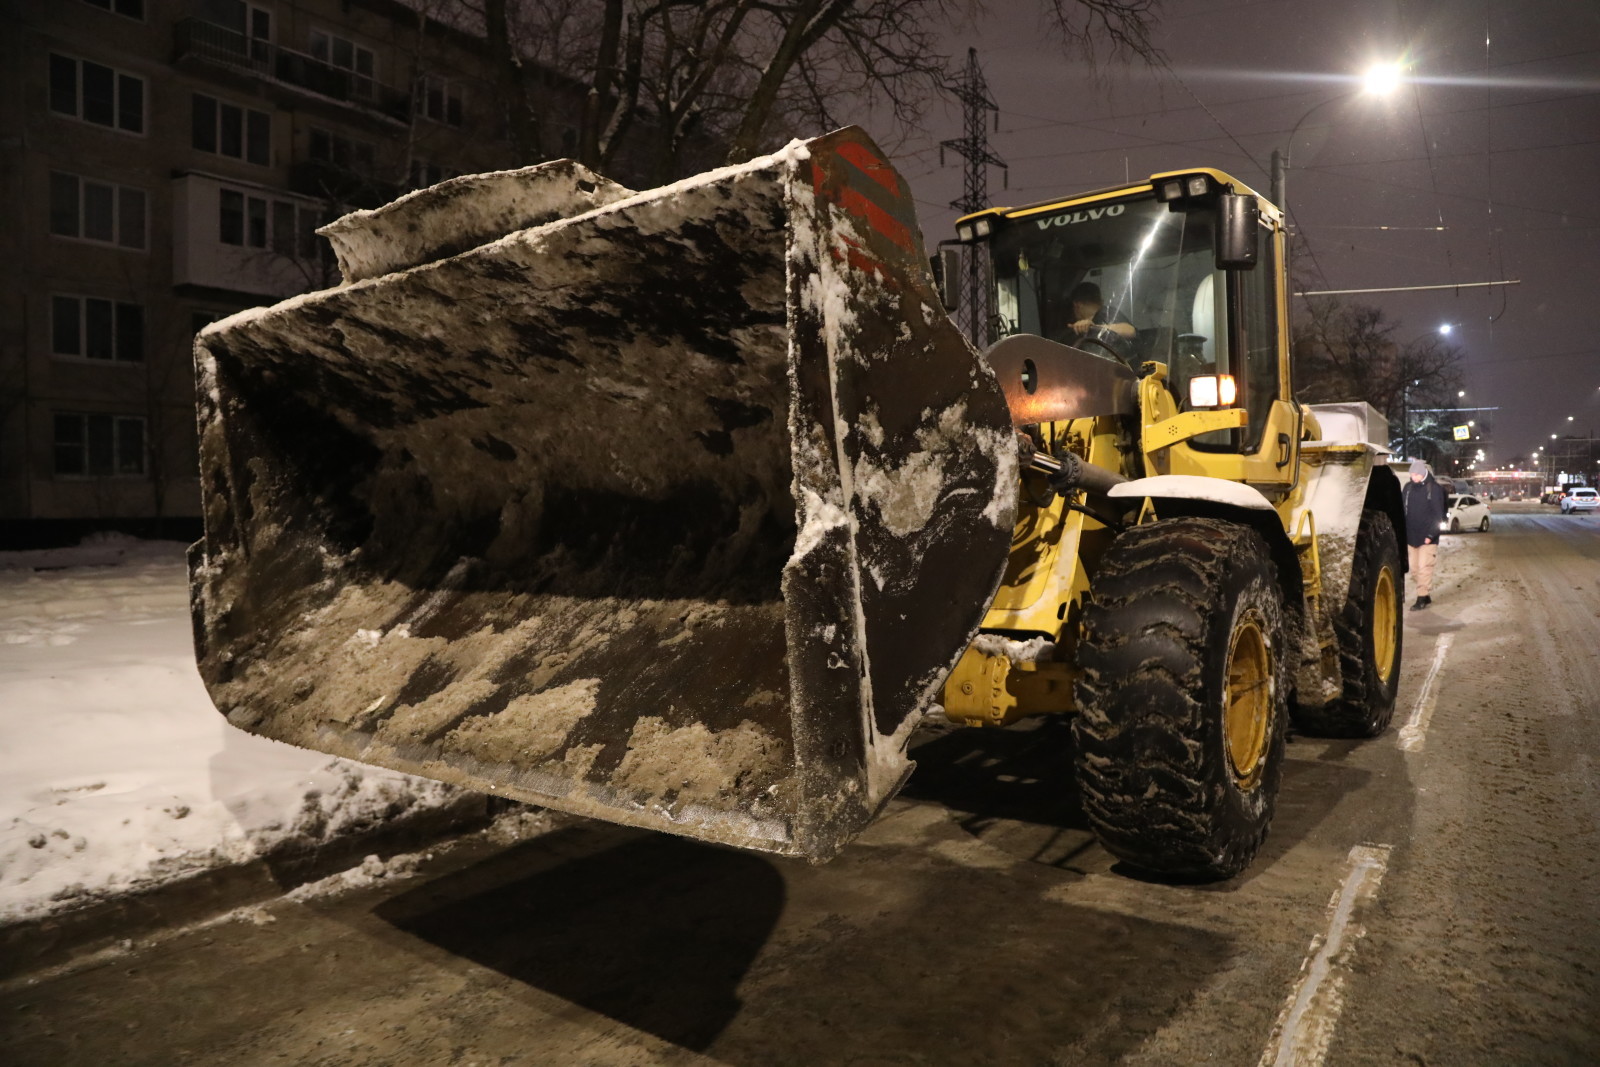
(1369,630)
(1183,697)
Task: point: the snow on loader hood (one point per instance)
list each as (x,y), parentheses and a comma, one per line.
(674,511)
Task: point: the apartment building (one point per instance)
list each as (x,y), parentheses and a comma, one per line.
(164,163)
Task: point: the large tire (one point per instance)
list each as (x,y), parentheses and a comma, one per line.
(1183,697)
(1370,632)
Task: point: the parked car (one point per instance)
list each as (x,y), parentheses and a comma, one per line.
(1578,500)
(1465,512)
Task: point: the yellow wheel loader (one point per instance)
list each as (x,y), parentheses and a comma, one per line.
(684,508)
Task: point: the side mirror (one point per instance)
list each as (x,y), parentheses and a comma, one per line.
(946,269)
(1238,231)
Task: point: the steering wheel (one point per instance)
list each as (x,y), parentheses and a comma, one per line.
(1108,340)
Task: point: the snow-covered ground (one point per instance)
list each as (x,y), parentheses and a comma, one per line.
(116,773)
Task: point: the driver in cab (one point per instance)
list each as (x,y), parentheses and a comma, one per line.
(1089,312)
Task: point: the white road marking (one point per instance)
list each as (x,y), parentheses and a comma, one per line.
(1415,730)
(1305,1026)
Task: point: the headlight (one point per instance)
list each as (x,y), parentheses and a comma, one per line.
(1212,390)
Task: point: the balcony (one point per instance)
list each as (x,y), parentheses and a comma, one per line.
(339,184)
(207,42)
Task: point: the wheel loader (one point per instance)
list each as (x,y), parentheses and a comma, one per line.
(684,508)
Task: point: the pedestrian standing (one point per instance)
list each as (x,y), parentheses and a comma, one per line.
(1425,512)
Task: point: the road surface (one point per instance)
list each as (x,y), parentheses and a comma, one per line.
(1425,898)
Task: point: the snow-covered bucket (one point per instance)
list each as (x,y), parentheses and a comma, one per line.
(673,511)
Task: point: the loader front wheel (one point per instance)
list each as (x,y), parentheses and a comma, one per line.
(1183,697)
(1369,630)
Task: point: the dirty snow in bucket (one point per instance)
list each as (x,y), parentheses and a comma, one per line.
(116,772)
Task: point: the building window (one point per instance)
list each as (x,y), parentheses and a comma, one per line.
(99,446)
(346,55)
(96,211)
(252,24)
(230,130)
(251,221)
(133,9)
(96,94)
(424,174)
(342,152)
(94,328)
(442,101)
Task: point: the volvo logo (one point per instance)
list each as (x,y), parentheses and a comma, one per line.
(1087,215)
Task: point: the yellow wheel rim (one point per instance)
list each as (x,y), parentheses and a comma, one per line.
(1249,702)
(1385,609)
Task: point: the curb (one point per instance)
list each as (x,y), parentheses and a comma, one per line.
(47,941)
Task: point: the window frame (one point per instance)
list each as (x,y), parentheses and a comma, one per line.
(115,421)
(118,75)
(360,157)
(246,114)
(117,311)
(118,214)
(424,174)
(358,77)
(114,7)
(268,219)
(451,91)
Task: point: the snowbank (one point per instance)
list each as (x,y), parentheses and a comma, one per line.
(116,773)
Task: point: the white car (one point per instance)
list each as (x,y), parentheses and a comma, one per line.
(1465,512)
(1578,500)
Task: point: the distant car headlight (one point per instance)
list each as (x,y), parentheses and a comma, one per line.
(1444,525)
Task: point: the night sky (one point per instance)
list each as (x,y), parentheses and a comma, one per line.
(1496,137)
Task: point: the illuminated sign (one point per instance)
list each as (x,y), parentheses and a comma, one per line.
(1463,432)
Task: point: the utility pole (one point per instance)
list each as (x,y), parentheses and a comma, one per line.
(1280,182)
(973,146)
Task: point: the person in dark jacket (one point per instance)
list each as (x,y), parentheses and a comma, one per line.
(1425,512)
(1089,311)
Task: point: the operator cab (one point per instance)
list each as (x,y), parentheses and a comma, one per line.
(1187,274)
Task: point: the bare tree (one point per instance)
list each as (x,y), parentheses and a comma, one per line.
(1349,352)
(679,79)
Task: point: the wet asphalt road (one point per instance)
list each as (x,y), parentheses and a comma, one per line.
(1425,898)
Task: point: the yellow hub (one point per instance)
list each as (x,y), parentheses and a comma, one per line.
(1385,608)
(1248,711)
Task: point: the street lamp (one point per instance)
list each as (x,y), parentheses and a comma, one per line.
(1381,79)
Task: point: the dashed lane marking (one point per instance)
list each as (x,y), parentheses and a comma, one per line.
(1306,1025)
(1415,731)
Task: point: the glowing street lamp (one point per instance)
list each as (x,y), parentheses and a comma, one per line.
(1380,80)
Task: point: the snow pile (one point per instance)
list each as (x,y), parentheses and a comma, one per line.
(116,773)
(1034,650)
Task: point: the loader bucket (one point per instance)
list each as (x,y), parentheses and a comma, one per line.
(674,510)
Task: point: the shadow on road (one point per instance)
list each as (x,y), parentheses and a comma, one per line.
(1014,788)
(652,931)
(889,953)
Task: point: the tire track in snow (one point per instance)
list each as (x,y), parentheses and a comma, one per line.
(1306,1025)
(1415,731)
